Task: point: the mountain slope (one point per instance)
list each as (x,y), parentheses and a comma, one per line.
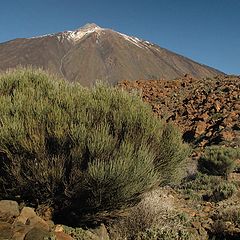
(92,53)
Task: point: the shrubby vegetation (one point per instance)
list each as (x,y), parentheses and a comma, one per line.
(155,217)
(87,150)
(225,222)
(218,160)
(200,182)
(208,187)
(165,234)
(223,191)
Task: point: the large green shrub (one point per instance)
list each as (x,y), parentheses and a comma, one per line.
(91,150)
(218,160)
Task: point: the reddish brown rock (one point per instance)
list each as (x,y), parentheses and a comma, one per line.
(217,105)
(62,236)
(227,135)
(29,217)
(204,116)
(200,128)
(204,106)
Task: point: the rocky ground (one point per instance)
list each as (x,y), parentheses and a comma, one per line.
(174,209)
(24,223)
(207,110)
(208,113)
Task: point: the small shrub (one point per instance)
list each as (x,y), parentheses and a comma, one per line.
(165,234)
(79,233)
(207,187)
(191,194)
(226,223)
(200,182)
(183,217)
(216,116)
(231,214)
(155,217)
(84,151)
(237,165)
(223,191)
(53,237)
(218,160)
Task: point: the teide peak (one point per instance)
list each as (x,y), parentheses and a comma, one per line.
(93,53)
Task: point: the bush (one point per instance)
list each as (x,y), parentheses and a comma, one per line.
(226,222)
(199,186)
(230,214)
(79,233)
(165,234)
(218,160)
(200,182)
(91,150)
(155,217)
(223,191)
(207,187)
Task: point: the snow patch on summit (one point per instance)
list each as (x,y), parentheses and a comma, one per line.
(75,36)
(136,41)
(78,34)
(81,32)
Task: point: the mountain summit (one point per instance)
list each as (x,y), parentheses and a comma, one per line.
(93,53)
(89,26)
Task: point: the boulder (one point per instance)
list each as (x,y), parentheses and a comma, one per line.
(200,128)
(62,236)
(8,210)
(29,217)
(6,231)
(37,234)
(227,135)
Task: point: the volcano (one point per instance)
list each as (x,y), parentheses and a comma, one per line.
(92,53)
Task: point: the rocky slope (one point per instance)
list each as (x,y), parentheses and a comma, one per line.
(207,110)
(93,53)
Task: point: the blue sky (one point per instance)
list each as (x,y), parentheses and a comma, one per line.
(207,31)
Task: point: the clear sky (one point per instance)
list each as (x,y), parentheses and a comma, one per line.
(207,31)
